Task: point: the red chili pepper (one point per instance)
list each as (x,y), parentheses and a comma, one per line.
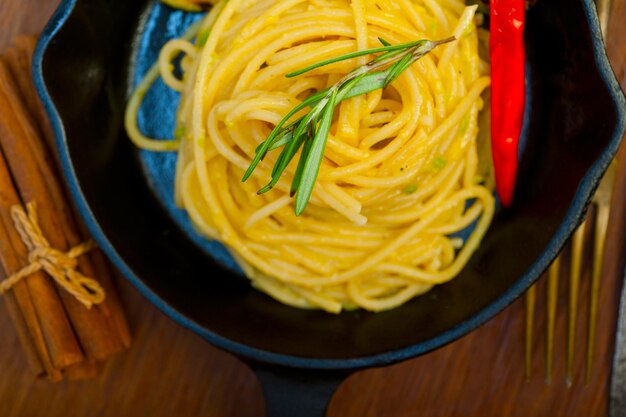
(507,53)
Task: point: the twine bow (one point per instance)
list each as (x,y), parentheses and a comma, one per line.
(59,265)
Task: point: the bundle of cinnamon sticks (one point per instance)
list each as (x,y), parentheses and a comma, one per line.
(60,336)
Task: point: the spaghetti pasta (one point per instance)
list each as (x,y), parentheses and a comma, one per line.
(399,179)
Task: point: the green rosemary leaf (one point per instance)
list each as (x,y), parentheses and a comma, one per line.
(408,63)
(396,69)
(314,100)
(254,163)
(383,42)
(391,55)
(266,188)
(262,149)
(287,154)
(297,176)
(347,87)
(282,139)
(282,162)
(356,54)
(278,136)
(370,82)
(260,154)
(314,157)
(289,151)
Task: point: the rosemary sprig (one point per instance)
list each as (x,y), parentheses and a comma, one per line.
(310,132)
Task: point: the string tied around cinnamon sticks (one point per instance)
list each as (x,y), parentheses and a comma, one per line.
(61,266)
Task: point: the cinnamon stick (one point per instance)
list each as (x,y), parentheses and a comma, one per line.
(23,334)
(19,60)
(111,310)
(42,310)
(34,177)
(29,171)
(20,69)
(105,275)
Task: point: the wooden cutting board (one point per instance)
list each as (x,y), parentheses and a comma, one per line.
(171,372)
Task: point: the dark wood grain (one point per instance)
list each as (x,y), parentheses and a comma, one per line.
(171,372)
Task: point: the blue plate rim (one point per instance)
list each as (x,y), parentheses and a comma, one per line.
(572,218)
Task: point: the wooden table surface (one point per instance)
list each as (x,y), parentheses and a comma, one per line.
(170,371)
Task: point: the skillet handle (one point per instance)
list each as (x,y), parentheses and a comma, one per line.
(298,392)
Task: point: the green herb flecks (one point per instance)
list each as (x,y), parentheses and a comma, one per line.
(439,163)
(310,132)
(410,189)
(179,132)
(464,125)
(202,37)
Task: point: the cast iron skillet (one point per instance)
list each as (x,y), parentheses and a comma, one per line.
(84,64)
